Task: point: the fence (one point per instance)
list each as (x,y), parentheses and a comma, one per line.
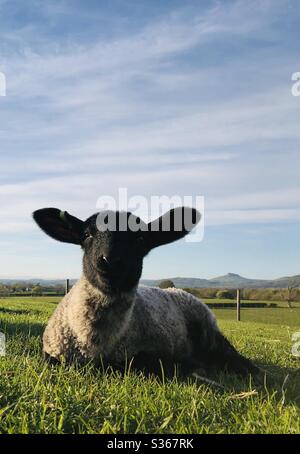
(238,304)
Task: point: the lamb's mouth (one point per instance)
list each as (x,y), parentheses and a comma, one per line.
(108,276)
(110,283)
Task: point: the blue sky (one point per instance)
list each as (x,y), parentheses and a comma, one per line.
(188,98)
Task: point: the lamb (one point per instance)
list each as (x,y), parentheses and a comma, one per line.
(107,317)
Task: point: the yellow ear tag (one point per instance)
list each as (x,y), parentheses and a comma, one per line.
(62,216)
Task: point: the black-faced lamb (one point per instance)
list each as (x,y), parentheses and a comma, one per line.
(106,317)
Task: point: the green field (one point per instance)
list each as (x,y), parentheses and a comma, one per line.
(37,399)
(280,315)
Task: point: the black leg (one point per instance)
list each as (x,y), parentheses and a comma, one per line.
(216,352)
(150,363)
(50,359)
(225,356)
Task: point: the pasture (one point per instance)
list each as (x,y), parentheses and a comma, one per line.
(37,399)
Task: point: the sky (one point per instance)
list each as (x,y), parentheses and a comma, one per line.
(162,98)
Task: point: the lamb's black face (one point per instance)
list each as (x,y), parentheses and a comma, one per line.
(113,254)
(113,259)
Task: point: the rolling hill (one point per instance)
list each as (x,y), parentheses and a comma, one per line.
(230,280)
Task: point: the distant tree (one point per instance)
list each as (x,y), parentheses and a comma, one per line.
(290,293)
(166,283)
(37,289)
(58,288)
(225,294)
(17,287)
(191,290)
(4,290)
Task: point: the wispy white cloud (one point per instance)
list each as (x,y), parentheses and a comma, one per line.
(195,102)
(249,216)
(285,197)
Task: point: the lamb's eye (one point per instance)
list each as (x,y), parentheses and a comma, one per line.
(87,235)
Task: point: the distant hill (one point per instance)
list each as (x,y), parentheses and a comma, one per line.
(230,280)
(179,282)
(235,280)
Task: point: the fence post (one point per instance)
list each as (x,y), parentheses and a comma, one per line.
(238,305)
(67,287)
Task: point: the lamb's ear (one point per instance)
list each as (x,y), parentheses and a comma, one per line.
(60,225)
(172,226)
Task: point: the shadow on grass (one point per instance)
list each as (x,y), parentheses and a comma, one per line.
(284,380)
(23,328)
(23,339)
(19,311)
(282,383)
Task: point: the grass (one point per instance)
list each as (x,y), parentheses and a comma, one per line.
(281,315)
(38,399)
